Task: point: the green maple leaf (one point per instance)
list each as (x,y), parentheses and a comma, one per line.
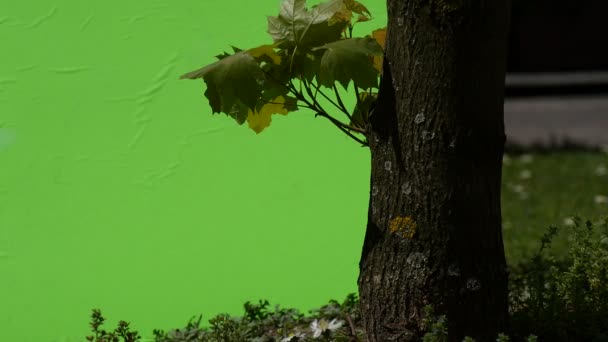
(232,82)
(348,59)
(296,26)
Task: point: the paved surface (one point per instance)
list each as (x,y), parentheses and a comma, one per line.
(580,119)
(580,78)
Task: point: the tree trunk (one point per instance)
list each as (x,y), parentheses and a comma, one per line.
(437,138)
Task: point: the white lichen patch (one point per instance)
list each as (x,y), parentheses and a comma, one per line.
(416,260)
(427,136)
(419,118)
(388,165)
(406,189)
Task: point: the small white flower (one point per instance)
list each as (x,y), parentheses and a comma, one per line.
(525,174)
(601,199)
(526,158)
(601,170)
(292,335)
(518,188)
(568,221)
(319,327)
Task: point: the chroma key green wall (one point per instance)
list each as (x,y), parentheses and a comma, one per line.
(120,191)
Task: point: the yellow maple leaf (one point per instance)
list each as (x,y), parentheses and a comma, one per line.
(267,50)
(259,120)
(343,15)
(380,36)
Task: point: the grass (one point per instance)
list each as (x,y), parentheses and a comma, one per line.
(544,189)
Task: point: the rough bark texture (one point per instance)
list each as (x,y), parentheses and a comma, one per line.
(437,139)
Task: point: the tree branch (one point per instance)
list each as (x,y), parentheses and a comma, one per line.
(320,111)
(317,87)
(342,103)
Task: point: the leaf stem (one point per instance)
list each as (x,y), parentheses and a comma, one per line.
(342,103)
(323,112)
(318,87)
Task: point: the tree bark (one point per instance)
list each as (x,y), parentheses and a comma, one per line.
(437,138)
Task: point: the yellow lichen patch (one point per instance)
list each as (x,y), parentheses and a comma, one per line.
(404,225)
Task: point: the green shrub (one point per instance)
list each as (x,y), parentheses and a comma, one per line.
(121,332)
(567,299)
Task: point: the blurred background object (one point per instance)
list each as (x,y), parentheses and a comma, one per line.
(557,73)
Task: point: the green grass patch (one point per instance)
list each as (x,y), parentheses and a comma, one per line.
(542,190)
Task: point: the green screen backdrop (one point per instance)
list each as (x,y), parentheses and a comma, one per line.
(120,191)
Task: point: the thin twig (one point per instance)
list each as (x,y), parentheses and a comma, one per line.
(342,103)
(323,112)
(317,86)
(340,125)
(353,332)
(320,111)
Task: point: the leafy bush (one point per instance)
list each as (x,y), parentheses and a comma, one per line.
(564,300)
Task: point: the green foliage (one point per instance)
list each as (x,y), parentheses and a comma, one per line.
(349,59)
(297,27)
(222,78)
(437,326)
(311,48)
(122,332)
(565,300)
(260,324)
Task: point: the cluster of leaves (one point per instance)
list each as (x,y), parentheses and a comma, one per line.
(565,299)
(314,48)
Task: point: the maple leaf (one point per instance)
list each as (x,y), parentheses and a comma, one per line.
(380,36)
(259,120)
(297,26)
(348,59)
(233,79)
